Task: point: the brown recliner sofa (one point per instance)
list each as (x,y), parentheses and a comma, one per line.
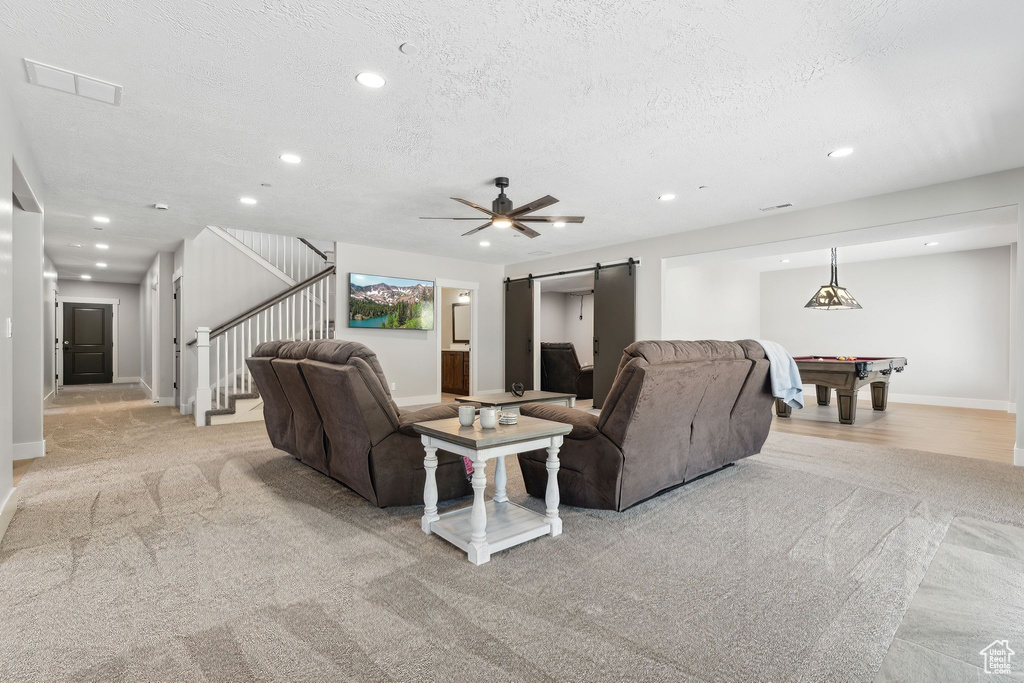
(560,370)
(676,410)
(327,403)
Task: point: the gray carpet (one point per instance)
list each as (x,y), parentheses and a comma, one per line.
(146,549)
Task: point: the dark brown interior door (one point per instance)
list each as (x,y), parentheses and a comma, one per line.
(519,334)
(88,343)
(614,323)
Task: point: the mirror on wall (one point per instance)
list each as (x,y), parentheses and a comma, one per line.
(460,323)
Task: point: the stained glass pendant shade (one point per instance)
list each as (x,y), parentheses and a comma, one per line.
(832,297)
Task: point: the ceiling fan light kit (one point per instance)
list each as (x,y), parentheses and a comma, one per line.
(504,215)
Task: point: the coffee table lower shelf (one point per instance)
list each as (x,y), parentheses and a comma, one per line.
(508,524)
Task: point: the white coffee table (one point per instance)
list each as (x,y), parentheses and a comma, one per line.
(491,526)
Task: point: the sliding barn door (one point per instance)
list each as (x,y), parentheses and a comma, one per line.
(519,334)
(614,323)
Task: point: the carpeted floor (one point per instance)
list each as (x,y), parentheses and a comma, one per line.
(147,549)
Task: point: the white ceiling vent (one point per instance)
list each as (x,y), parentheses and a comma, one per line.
(777,206)
(70,82)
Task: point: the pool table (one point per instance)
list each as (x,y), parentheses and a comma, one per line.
(846,375)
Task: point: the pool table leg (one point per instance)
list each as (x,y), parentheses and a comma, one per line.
(782,409)
(879,395)
(824,394)
(847,401)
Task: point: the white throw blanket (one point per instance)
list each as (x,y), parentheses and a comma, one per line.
(785,375)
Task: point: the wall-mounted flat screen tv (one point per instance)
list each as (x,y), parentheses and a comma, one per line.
(390,302)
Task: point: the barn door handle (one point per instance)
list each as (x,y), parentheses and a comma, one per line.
(595,346)
(529,346)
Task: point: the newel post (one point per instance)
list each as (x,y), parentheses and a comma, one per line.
(203,394)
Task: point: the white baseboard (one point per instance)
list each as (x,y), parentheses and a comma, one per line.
(127,380)
(32,449)
(48,397)
(7,510)
(164,401)
(149,390)
(950,402)
(1018,456)
(944,401)
(418,400)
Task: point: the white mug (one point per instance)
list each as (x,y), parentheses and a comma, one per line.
(466,415)
(488,417)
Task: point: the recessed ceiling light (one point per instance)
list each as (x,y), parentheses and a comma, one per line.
(931,244)
(841,152)
(289,158)
(101,264)
(785,260)
(484,243)
(100,245)
(101,219)
(501,222)
(559,224)
(247,200)
(86,277)
(667,197)
(370,80)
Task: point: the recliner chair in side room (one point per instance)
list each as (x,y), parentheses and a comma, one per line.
(677,410)
(560,370)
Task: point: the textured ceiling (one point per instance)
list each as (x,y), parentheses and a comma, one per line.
(603,103)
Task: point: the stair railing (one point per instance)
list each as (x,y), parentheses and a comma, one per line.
(301,312)
(296,257)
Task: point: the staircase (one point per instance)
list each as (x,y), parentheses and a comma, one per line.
(225,392)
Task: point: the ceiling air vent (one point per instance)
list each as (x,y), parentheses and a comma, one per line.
(777,206)
(70,82)
(539,253)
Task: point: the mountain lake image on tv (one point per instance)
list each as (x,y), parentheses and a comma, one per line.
(390,302)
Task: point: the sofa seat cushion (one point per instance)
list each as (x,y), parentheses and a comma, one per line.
(584,425)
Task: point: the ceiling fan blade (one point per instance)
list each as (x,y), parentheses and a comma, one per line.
(485,225)
(551,219)
(449,218)
(524,230)
(535,205)
(475,206)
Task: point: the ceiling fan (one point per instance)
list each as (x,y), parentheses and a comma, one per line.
(504,216)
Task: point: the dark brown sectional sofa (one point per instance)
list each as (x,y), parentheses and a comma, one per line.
(676,410)
(327,403)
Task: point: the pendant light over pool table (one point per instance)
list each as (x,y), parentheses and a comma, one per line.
(832,297)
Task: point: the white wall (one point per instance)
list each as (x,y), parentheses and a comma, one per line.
(13,149)
(50,293)
(712,302)
(580,332)
(409,357)
(552,316)
(156,328)
(948,314)
(28,348)
(218,283)
(129,321)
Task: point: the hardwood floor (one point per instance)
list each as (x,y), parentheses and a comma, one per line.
(985,434)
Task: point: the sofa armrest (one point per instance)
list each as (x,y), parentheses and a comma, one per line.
(442,411)
(584,425)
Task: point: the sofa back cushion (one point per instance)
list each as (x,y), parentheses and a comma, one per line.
(310,445)
(677,410)
(342,352)
(354,419)
(277,411)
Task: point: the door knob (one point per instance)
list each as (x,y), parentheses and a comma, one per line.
(67,343)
